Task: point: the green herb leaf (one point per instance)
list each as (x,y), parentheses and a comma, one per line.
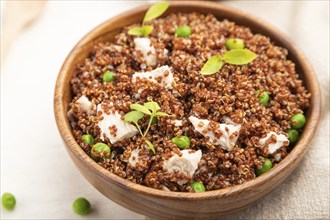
(239,56)
(136,31)
(151,146)
(152,106)
(212,66)
(141,31)
(133,116)
(161,114)
(140,108)
(155,11)
(147,29)
(137,114)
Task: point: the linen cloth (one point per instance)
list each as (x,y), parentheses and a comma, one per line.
(34,164)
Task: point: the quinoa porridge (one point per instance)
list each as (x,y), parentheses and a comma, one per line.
(218,130)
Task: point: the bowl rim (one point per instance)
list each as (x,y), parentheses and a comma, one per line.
(296,154)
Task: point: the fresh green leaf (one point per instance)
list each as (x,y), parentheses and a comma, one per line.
(140,108)
(136,31)
(152,106)
(151,146)
(161,114)
(141,31)
(212,66)
(239,56)
(147,29)
(155,11)
(137,113)
(133,116)
(154,120)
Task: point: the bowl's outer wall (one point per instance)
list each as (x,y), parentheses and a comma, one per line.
(157,203)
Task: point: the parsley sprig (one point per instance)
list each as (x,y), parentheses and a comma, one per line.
(235,56)
(148,108)
(153,12)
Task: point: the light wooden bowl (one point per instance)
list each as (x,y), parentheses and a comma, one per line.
(157,203)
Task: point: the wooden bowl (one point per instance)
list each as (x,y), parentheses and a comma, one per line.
(157,203)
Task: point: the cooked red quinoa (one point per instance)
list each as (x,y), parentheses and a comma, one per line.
(229,93)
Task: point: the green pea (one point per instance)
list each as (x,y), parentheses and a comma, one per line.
(100,150)
(297,121)
(108,76)
(154,120)
(293,135)
(263,98)
(235,43)
(8,201)
(183,31)
(81,206)
(265,167)
(88,139)
(182,142)
(197,186)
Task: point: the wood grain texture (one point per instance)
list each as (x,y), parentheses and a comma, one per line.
(157,203)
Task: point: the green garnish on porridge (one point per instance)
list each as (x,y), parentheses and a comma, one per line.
(187,102)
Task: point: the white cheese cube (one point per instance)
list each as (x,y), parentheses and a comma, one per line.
(163,72)
(272,147)
(118,48)
(134,158)
(124,129)
(148,51)
(278,156)
(84,104)
(178,122)
(187,163)
(229,132)
(165,188)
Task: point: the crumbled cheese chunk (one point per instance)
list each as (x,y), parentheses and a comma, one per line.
(69,114)
(118,48)
(148,51)
(272,147)
(229,135)
(187,163)
(278,156)
(134,157)
(163,72)
(178,122)
(84,104)
(124,129)
(228,120)
(165,188)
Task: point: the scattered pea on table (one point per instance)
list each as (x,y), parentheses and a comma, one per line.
(182,142)
(8,201)
(183,31)
(297,121)
(81,206)
(197,186)
(265,167)
(235,43)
